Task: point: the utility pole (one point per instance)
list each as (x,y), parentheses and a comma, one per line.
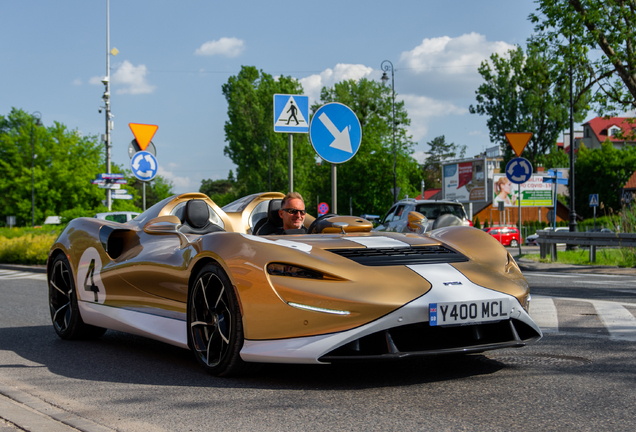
(106,98)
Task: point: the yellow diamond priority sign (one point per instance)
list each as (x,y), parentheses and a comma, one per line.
(143,133)
(518,141)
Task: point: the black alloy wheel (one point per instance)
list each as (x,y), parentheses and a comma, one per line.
(65,314)
(215,329)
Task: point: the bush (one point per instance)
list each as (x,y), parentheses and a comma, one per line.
(477,224)
(26,249)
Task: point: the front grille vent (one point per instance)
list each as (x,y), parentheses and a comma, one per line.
(401,256)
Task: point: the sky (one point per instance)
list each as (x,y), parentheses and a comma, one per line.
(175,56)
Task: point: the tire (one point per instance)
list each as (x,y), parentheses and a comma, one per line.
(215,327)
(65,314)
(514,243)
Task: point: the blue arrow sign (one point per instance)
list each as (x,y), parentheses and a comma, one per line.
(335,133)
(519,170)
(144,166)
(291,113)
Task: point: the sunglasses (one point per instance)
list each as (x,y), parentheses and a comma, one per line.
(292,211)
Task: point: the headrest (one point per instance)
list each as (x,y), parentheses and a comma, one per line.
(197,213)
(272,212)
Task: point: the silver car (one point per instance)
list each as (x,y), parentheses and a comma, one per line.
(396,219)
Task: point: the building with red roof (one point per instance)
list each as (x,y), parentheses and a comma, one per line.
(600,129)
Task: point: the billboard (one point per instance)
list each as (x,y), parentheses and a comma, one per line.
(534,192)
(464,181)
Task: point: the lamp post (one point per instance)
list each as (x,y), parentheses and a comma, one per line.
(37,116)
(388,66)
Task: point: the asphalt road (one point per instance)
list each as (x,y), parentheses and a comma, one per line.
(579,377)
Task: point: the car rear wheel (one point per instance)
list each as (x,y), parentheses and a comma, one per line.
(514,243)
(65,314)
(215,328)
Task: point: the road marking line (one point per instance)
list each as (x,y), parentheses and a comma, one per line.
(619,321)
(544,313)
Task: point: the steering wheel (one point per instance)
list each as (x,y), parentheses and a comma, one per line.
(312,227)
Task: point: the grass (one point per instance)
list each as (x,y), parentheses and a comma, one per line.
(620,257)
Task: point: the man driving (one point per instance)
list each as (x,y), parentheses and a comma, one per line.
(292,212)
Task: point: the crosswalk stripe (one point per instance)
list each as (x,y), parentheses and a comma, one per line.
(22,275)
(619,321)
(544,313)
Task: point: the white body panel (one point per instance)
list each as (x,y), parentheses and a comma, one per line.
(310,349)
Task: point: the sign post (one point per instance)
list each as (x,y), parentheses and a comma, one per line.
(142,144)
(594,204)
(518,141)
(335,134)
(291,114)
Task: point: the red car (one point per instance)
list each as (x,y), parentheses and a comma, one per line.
(507,235)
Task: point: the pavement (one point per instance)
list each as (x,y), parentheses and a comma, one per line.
(21,411)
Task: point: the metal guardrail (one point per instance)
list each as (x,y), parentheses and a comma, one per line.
(550,239)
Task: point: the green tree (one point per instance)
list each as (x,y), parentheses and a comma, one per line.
(555,159)
(367,178)
(222,192)
(62,170)
(575,28)
(438,152)
(251,138)
(525,93)
(603,171)
(157,189)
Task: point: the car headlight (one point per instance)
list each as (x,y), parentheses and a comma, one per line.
(280,269)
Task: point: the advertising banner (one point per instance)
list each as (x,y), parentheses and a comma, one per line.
(534,192)
(465,181)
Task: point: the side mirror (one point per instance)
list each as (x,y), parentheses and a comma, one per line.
(166,225)
(417,223)
(163,225)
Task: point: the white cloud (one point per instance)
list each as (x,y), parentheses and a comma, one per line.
(422,110)
(77,82)
(132,78)
(178,182)
(420,156)
(228,47)
(96,80)
(446,55)
(313,84)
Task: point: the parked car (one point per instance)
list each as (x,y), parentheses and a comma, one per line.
(531,240)
(507,235)
(396,219)
(121,217)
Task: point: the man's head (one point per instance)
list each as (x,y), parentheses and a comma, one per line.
(292,211)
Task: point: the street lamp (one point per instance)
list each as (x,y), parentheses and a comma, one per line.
(388,66)
(37,116)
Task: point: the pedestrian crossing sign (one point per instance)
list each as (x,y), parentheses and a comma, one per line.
(291,113)
(593,200)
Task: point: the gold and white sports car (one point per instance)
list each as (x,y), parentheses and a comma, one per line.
(191,274)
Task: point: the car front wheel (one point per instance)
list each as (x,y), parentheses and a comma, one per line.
(65,314)
(514,243)
(215,328)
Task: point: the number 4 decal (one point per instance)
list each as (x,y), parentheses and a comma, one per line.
(92,287)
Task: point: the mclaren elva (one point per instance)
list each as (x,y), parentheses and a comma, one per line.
(216,281)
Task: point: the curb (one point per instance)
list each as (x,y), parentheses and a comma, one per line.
(529,265)
(32,414)
(24,268)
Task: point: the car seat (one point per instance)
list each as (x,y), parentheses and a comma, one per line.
(273,222)
(196,218)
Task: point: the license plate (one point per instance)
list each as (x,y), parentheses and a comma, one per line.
(457,313)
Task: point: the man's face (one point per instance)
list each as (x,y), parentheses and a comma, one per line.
(295,220)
